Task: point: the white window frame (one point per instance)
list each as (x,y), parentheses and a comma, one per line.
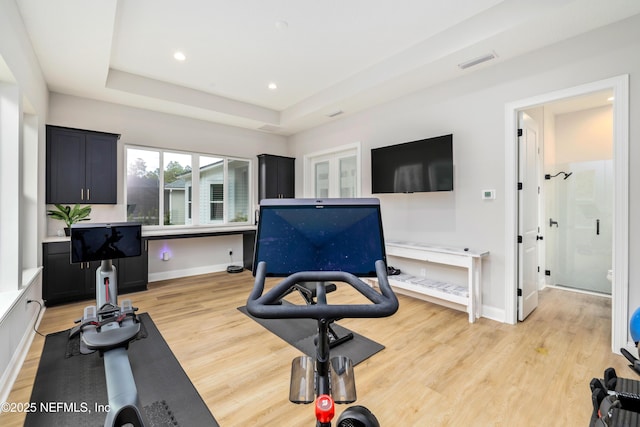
(195,185)
(334,155)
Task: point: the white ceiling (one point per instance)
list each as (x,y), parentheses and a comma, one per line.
(325,56)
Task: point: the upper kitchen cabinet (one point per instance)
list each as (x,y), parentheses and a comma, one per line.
(82,166)
(276,177)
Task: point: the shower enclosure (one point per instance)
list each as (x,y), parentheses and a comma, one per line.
(579,213)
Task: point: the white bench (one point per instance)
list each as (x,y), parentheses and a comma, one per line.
(468,298)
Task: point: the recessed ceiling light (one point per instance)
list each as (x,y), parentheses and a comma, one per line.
(179,56)
(611,98)
(272,86)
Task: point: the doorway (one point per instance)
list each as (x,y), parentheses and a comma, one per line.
(576,207)
(619,87)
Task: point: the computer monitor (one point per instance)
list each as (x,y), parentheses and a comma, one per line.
(319,235)
(98,242)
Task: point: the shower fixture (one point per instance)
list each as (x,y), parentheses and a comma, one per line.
(566,175)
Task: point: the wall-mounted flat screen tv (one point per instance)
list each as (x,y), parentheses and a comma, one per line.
(418,166)
(98,242)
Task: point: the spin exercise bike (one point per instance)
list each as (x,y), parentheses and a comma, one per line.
(108,327)
(322,241)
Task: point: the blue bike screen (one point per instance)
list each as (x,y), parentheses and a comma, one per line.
(98,242)
(319,235)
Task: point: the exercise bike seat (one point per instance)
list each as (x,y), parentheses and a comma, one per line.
(109,339)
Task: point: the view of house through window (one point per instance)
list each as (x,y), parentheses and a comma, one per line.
(217,194)
(177,178)
(238,190)
(211,190)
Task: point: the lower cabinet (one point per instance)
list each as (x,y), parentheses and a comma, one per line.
(66,282)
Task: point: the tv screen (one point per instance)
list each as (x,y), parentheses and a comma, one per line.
(418,166)
(319,235)
(97,242)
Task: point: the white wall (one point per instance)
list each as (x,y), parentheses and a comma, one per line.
(586,135)
(473,109)
(16,316)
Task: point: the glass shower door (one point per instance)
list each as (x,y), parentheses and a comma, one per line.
(582,226)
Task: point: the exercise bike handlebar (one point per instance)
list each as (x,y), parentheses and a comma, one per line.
(268,306)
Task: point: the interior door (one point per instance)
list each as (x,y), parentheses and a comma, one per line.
(528,200)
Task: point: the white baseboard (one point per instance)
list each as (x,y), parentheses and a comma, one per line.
(176,274)
(493,313)
(16,316)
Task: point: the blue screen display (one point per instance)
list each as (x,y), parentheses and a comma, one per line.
(320,238)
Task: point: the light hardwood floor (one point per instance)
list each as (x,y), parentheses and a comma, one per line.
(436,369)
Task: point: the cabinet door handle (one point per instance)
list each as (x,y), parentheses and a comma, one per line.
(82,194)
(88,194)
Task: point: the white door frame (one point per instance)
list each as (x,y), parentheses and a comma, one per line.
(620,286)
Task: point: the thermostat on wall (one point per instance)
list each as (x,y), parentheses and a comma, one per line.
(488,194)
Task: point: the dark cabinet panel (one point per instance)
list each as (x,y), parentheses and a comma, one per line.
(81,166)
(65,165)
(62,280)
(276,177)
(101,161)
(248,243)
(65,282)
(133,273)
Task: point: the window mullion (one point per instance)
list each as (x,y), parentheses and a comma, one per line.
(161,189)
(225,191)
(195,190)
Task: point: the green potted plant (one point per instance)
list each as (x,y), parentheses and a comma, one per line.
(70,215)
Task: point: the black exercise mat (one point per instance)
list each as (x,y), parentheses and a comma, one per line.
(70,388)
(300,333)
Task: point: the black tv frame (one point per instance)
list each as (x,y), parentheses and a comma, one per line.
(105,241)
(421,166)
(319,235)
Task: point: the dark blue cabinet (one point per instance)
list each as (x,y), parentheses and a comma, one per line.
(82,166)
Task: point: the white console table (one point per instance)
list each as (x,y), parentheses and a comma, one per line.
(436,291)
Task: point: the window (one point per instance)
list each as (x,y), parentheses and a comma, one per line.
(217,194)
(177,176)
(143,186)
(333,173)
(238,190)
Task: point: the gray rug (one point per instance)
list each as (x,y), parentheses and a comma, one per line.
(75,384)
(300,333)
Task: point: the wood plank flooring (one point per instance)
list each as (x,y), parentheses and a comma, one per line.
(436,370)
